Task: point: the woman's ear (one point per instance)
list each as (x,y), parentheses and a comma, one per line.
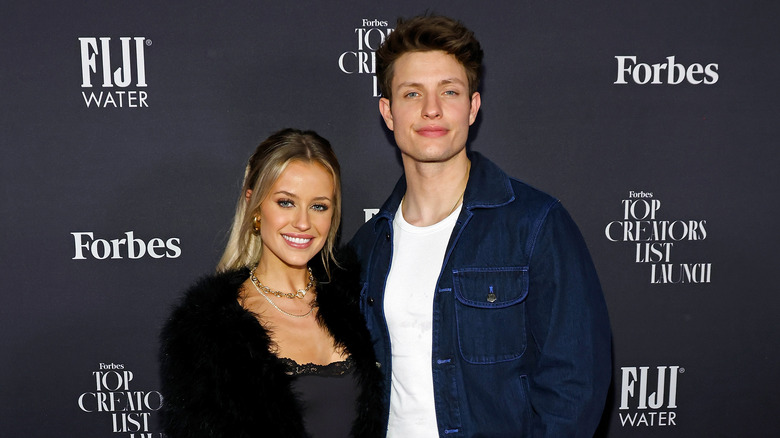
(248,195)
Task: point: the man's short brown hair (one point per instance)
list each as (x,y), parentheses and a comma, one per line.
(427,33)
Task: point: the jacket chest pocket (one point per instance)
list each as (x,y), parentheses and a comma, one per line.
(490,313)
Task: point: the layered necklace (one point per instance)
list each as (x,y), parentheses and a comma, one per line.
(300,293)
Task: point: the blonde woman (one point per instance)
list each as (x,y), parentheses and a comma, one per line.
(274,345)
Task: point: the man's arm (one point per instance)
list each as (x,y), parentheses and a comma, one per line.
(570,326)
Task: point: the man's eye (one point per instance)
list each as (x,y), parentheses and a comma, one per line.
(412,94)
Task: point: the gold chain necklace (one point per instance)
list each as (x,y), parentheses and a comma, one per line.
(300,293)
(460,198)
(262,293)
(468,172)
(294,315)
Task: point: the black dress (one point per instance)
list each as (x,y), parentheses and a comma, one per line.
(219,378)
(328,395)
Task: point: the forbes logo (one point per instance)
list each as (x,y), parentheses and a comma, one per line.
(670,72)
(86,246)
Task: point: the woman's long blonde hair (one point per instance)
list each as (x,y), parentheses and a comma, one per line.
(266,164)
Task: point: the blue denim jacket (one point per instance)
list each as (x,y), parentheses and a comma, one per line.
(521,337)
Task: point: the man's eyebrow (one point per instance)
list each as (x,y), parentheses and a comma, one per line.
(446,81)
(452,81)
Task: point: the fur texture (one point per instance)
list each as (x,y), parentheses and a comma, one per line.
(219,378)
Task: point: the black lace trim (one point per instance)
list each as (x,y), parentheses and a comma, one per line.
(334,369)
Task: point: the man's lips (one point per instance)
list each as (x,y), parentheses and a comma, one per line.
(432,131)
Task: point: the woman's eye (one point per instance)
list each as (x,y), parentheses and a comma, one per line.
(285,203)
(320,207)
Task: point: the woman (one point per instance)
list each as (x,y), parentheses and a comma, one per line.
(274,344)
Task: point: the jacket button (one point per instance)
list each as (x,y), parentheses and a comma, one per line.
(491,297)
(387,236)
(370,301)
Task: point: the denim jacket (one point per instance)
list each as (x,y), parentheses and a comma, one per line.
(521,337)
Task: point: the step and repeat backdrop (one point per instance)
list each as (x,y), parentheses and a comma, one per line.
(126,127)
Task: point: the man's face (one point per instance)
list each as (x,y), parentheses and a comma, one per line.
(431,109)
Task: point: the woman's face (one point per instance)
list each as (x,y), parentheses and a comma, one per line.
(296,215)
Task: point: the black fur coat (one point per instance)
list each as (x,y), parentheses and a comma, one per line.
(220,380)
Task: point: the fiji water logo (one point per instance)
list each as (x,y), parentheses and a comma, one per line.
(117,69)
(657,408)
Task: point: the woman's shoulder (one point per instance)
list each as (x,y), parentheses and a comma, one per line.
(341,286)
(215,288)
(211,299)
(338,300)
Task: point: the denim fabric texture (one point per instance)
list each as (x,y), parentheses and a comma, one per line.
(521,336)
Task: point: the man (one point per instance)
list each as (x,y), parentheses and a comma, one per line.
(481,297)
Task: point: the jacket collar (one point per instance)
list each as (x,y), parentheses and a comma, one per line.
(488,187)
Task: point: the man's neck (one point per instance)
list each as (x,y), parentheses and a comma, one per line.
(434,190)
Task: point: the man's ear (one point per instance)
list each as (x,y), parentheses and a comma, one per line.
(387,113)
(476,101)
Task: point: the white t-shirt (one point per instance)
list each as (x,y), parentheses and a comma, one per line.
(418,255)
